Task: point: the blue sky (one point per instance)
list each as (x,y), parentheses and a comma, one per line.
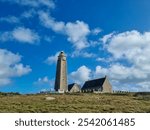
(100,37)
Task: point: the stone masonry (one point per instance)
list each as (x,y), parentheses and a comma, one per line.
(61,84)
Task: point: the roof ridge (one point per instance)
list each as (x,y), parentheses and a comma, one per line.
(96,79)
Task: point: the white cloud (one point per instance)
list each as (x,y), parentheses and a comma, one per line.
(96,31)
(144,86)
(25,35)
(20,70)
(10,19)
(81,75)
(122,77)
(48,3)
(20,34)
(10,67)
(7,58)
(100,59)
(33,3)
(52,59)
(5,36)
(84,54)
(45,81)
(105,60)
(129,44)
(49,22)
(77,32)
(4,81)
(107,37)
(133,47)
(115,72)
(29,13)
(48,39)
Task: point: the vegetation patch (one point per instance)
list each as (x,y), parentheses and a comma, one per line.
(81,102)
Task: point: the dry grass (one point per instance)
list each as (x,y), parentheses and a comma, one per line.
(75,103)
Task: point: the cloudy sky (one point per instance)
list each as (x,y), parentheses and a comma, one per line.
(99,37)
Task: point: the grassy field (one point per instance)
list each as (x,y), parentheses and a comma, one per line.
(75,103)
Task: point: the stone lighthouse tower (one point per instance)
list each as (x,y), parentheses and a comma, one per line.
(61,74)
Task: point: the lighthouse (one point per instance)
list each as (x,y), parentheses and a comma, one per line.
(61,84)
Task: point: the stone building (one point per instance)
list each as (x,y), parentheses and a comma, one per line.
(61,84)
(73,88)
(97,85)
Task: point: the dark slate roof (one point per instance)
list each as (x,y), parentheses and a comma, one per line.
(94,84)
(71,85)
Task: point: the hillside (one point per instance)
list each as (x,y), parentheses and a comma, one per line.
(75,103)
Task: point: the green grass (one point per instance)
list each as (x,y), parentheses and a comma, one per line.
(87,102)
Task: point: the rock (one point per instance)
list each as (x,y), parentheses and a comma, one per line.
(50,98)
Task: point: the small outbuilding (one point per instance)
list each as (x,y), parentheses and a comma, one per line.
(97,85)
(73,88)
